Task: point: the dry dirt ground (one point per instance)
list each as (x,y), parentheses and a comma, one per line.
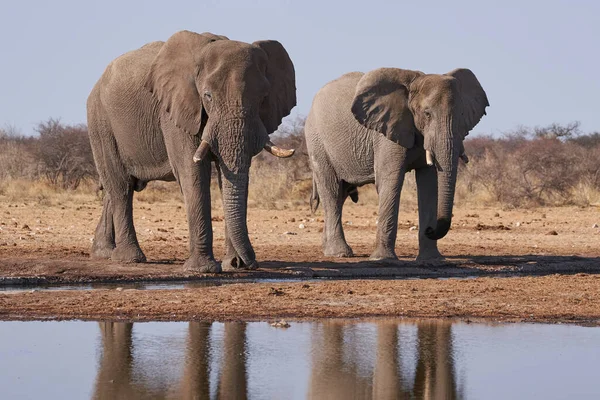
(537,264)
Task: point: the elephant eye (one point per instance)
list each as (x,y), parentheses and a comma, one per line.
(427,114)
(208,96)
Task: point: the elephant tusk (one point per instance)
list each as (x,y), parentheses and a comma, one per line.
(464,157)
(429,157)
(278,152)
(202,151)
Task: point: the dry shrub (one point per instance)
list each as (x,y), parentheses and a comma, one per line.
(279,183)
(553,165)
(17,156)
(548,166)
(60,155)
(65,153)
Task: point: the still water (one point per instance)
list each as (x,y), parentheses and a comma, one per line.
(320,360)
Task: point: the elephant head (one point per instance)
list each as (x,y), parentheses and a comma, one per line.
(230,96)
(402,104)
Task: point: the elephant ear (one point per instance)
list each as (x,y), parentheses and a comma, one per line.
(172,78)
(381,104)
(282,78)
(473,97)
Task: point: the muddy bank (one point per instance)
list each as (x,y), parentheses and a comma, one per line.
(554,298)
(41,271)
(49,244)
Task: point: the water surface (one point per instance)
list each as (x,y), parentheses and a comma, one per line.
(333,359)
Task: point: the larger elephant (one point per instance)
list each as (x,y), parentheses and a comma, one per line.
(165,112)
(373,128)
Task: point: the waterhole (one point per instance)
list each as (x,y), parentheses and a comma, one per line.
(379,359)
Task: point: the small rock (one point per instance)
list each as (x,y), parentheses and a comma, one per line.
(595,226)
(276,292)
(348,222)
(412,228)
(119,289)
(289,233)
(496,214)
(552,233)
(518,224)
(280,324)
(162,230)
(301,226)
(33,291)
(26,227)
(292,219)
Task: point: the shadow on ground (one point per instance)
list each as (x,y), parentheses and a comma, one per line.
(40,271)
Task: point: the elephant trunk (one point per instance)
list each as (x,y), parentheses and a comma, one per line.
(446,156)
(235,205)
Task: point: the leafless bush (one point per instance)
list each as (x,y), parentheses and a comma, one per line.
(552,165)
(65,153)
(290,180)
(532,167)
(17,160)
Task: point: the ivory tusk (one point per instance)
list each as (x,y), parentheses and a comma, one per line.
(278,152)
(429,157)
(202,151)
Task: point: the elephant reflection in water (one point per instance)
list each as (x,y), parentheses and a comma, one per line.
(115,373)
(334,376)
(435,377)
(331,376)
(114,379)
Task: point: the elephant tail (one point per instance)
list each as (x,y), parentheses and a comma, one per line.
(314,197)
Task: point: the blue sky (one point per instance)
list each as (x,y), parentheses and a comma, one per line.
(539,62)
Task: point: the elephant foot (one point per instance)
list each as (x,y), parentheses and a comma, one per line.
(129,253)
(102,250)
(202,265)
(338,250)
(230,263)
(382,253)
(430,256)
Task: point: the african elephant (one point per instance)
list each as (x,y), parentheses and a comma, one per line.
(165,112)
(373,128)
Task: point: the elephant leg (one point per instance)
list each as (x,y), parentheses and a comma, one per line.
(231,260)
(388,190)
(127,248)
(195,186)
(118,200)
(194,181)
(104,238)
(332,196)
(427,195)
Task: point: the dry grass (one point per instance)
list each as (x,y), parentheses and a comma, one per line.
(552,166)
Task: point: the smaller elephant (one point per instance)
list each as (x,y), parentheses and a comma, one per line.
(373,128)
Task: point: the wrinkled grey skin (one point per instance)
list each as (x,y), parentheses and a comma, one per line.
(373,128)
(147,116)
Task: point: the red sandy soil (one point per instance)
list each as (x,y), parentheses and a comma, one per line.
(50,243)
